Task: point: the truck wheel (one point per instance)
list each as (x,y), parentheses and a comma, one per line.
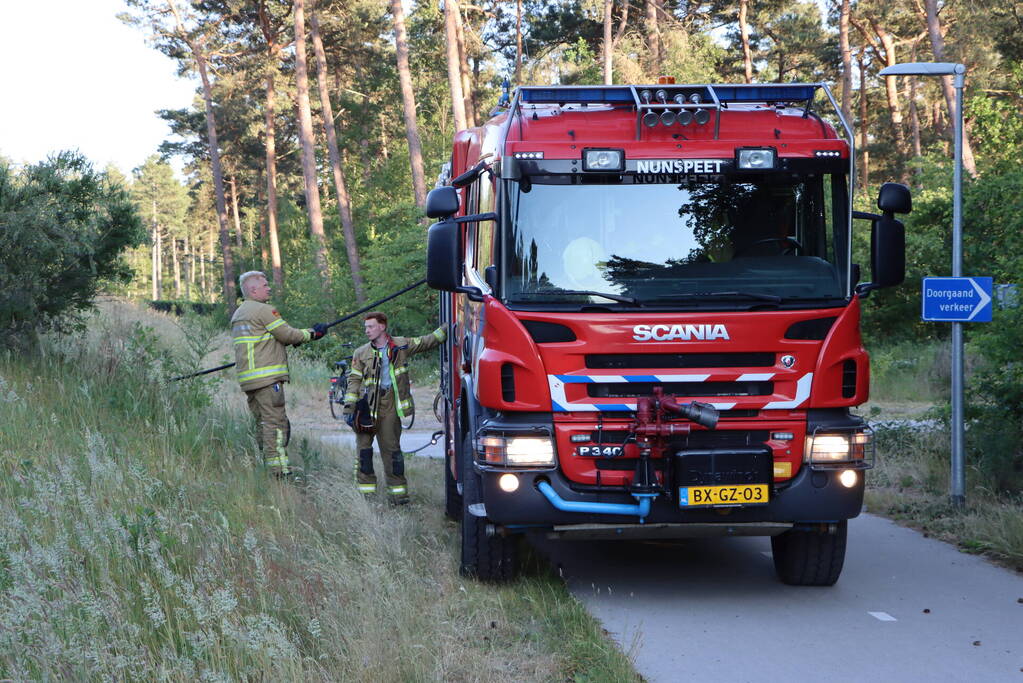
(484,557)
(809,558)
(452,498)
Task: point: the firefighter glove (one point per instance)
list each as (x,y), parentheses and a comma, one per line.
(319,329)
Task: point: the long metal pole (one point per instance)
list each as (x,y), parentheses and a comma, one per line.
(958,492)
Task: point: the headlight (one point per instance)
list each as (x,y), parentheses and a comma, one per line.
(607,160)
(834,449)
(755,159)
(520,451)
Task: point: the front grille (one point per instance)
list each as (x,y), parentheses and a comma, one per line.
(718,438)
(637,361)
(703,389)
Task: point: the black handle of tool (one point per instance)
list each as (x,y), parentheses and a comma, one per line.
(376,303)
(329,325)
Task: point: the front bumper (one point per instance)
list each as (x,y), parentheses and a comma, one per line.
(807,498)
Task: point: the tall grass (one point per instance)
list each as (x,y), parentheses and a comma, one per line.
(912,477)
(140,540)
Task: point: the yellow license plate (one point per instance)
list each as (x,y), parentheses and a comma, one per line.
(745,494)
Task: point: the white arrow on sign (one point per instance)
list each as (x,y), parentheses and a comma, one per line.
(984,299)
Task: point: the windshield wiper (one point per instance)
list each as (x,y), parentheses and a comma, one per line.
(696,296)
(584,292)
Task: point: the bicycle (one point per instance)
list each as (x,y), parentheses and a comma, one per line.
(338,387)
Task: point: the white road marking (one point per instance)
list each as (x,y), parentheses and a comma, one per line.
(882,616)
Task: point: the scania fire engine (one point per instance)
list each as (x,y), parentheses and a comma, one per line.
(656,320)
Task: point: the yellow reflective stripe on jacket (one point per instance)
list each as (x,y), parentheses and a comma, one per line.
(355,373)
(253,339)
(398,403)
(275,324)
(256,373)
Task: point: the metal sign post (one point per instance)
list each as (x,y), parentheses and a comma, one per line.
(958,72)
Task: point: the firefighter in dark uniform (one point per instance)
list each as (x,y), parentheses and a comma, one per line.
(261,361)
(379,373)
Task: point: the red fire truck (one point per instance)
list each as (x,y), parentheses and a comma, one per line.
(656,320)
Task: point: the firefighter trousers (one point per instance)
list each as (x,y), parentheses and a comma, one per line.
(388,437)
(273,431)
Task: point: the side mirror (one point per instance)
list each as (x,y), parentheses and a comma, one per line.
(894,198)
(887,252)
(443,255)
(442,202)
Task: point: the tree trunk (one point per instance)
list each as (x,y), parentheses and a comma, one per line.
(271,183)
(747,54)
(653,37)
(843,42)
(155,256)
(914,118)
(344,202)
(608,76)
(264,237)
(518,42)
(891,87)
(408,98)
(218,174)
(463,65)
(938,47)
(177,268)
(305,131)
(864,154)
(454,66)
(234,212)
(218,186)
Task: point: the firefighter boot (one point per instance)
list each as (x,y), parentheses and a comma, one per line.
(365,479)
(397,484)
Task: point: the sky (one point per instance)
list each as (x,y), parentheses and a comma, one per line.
(75,77)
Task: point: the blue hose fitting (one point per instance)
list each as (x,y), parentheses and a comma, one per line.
(642,507)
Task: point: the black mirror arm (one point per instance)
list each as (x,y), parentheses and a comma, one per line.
(474,293)
(864,289)
(866,216)
(472,218)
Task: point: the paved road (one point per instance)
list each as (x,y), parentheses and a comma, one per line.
(906,608)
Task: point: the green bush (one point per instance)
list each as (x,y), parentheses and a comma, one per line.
(63,231)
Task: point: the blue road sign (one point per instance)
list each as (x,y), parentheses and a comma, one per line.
(956,299)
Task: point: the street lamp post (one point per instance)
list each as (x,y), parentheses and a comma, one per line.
(958,72)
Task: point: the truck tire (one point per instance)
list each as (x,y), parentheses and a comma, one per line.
(810,558)
(452,498)
(485,557)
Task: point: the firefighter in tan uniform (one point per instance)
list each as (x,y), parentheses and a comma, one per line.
(379,372)
(260,340)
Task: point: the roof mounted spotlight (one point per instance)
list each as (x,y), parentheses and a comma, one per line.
(645,96)
(661,95)
(701,116)
(603,160)
(668,117)
(756,158)
(695,98)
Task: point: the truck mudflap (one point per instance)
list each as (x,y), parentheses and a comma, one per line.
(811,496)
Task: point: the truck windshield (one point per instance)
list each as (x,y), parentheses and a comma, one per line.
(744,239)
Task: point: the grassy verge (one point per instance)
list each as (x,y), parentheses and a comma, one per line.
(911,481)
(138,540)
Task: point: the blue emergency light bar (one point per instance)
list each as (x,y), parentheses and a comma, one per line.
(576,95)
(627,94)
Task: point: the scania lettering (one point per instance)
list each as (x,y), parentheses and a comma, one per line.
(655,314)
(686,332)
